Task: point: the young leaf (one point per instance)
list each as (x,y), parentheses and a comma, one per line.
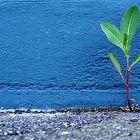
(113,34)
(125,41)
(135,61)
(116,64)
(125,44)
(129,23)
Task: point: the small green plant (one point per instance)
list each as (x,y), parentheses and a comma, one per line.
(123,38)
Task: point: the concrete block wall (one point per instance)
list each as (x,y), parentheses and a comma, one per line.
(56,47)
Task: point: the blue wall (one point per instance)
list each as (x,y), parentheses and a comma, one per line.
(58,45)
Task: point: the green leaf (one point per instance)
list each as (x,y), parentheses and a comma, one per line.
(129,23)
(113,34)
(125,44)
(137,59)
(125,41)
(116,64)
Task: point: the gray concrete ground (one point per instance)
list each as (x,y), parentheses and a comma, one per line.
(70,126)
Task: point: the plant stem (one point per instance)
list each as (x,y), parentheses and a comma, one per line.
(127,85)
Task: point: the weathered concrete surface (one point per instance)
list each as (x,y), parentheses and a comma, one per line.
(70,126)
(58,44)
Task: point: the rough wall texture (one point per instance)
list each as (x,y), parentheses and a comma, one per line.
(58,45)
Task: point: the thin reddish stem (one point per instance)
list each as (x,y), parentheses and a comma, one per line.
(127,85)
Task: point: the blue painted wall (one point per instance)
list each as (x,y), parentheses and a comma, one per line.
(58,45)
